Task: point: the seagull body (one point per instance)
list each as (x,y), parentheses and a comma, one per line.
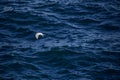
(39,34)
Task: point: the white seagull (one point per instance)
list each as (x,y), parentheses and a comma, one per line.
(39,34)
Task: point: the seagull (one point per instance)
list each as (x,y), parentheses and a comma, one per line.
(39,34)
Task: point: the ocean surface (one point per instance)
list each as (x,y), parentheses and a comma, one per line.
(82,40)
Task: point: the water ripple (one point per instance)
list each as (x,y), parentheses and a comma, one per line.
(81,40)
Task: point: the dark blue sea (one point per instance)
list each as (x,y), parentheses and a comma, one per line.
(81,42)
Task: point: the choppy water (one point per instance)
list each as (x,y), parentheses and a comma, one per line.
(82,40)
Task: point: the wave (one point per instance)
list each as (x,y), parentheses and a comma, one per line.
(81,39)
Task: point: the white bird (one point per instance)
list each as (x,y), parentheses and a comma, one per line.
(39,34)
